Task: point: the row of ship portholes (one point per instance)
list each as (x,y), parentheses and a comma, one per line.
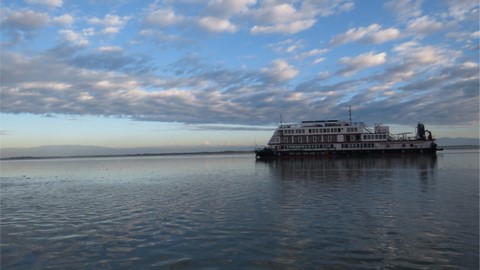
(343,146)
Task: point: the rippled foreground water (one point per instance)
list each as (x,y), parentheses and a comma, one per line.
(232,212)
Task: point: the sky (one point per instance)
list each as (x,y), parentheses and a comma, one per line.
(185,73)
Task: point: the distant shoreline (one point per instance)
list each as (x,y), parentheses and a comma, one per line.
(447,147)
(460,146)
(130,155)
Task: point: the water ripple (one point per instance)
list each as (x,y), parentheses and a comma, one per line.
(232,213)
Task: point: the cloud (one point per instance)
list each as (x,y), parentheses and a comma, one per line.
(424,25)
(463,10)
(360,62)
(286,28)
(64,20)
(77,39)
(373,34)
(200,96)
(229,128)
(108,49)
(111,23)
(110,58)
(279,71)
(265,17)
(23,24)
(227,8)
(412,52)
(405,9)
(48,3)
(163,17)
(326,8)
(216,25)
(280,18)
(287,46)
(464,74)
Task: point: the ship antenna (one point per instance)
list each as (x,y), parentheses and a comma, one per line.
(350,114)
(281,120)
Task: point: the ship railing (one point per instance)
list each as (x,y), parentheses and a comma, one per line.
(401,137)
(288,126)
(367,129)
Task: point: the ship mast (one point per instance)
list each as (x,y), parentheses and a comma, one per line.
(350,114)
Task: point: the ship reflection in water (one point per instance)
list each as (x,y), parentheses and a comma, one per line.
(343,168)
(386,212)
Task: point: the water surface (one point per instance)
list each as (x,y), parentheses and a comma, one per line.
(232,212)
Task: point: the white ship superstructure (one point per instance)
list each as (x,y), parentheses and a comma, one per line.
(310,138)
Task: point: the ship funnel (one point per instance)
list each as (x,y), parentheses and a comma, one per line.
(421,131)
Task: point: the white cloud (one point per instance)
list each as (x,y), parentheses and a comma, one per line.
(405,9)
(326,8)
(225,8)
(49,3)
(280,70)
(424,25)
(315,53)
(111,23)
(371,34)
(108,49)
(64,20)
(464,9)
(272,13)
(319,60)
(163,17)
(285,28)
(413,52)
(280,18)
(213,24)
(384,36)
(74,37)
(360,62)
(50,85)
(287,46)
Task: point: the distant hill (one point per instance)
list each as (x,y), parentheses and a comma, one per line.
(90,150)
(457,141)
(57,151)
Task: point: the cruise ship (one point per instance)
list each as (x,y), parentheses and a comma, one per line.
(335,137)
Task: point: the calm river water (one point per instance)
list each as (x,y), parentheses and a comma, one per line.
(232,212)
